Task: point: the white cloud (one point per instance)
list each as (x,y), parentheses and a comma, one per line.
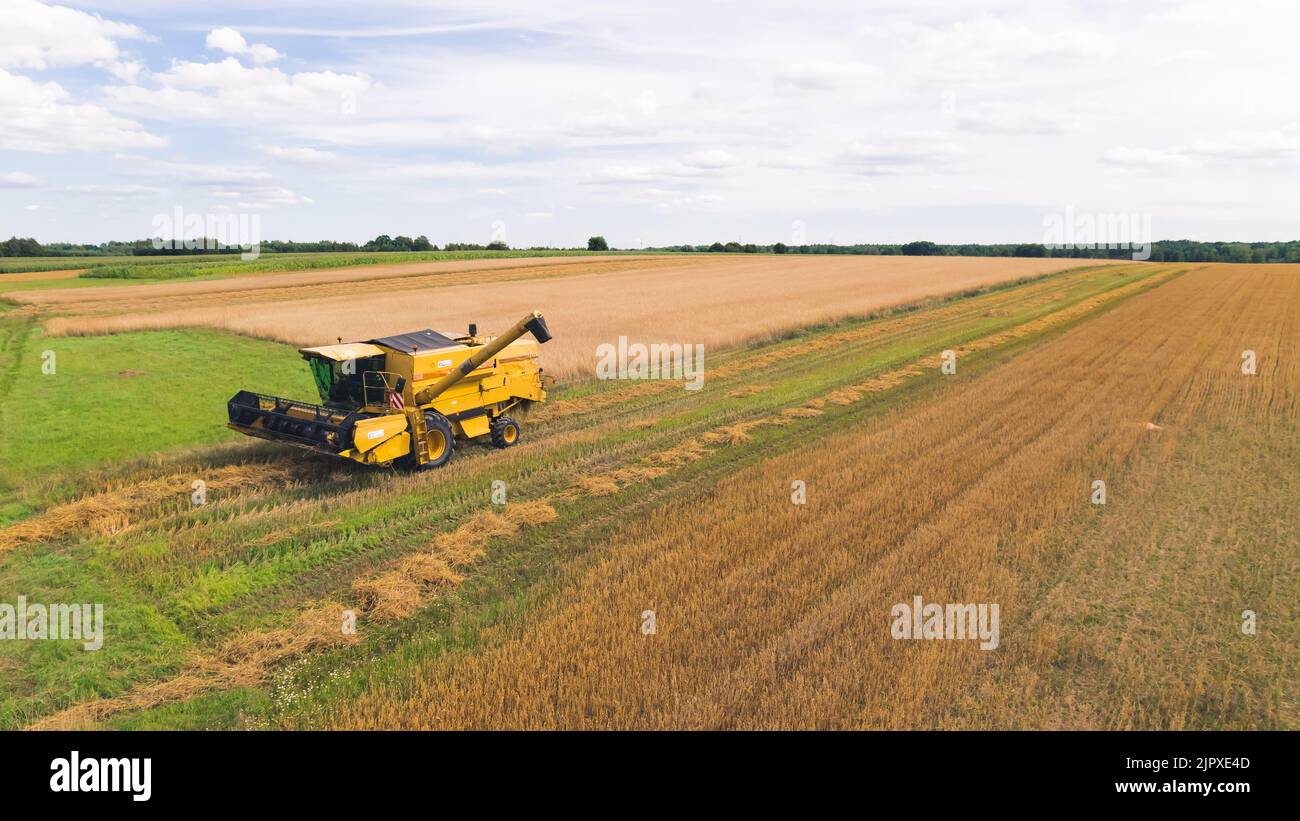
(1198,14)
(205,173)
(302,155)
(669,200)
(41,117)
(1258,145)
(1124,159)
(269,196)
(227,40)
(621,174)
(1278,145)
(448,171)
(791,160)
(39,36)
(1008,118)
(128,71)
(825,75)
(609,124)
(992,50)
(262,53)
(904,154)
(116,191)
(232,42)
(712,159)
(742,122)
(18,179)
(191,91)
(695,166)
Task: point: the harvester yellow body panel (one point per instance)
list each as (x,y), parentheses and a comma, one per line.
(369,434)
(394,447)
(513,374)
(406,396)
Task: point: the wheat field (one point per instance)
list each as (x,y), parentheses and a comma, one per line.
(775,615)
(715,301)
(626,498)
(281,532)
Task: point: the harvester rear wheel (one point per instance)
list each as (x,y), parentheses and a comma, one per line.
(439,440)
(505,431)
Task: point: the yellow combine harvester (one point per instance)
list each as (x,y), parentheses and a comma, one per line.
(405,398)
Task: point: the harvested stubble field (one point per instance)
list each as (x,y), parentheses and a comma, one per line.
(39,276)
(626,497)
(714,300)
(770,614)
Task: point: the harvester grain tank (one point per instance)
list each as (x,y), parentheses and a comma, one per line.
(407,398)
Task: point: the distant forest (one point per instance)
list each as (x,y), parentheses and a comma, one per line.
(1182,250)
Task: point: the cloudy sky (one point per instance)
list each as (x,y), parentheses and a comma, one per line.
(874,121)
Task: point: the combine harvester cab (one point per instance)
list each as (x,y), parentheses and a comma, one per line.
(405,398)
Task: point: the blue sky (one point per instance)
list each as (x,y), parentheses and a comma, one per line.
(672,122)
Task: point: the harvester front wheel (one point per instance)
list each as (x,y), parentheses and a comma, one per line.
(505,431)
(439,441)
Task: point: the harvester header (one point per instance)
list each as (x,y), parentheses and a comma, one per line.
(406,398)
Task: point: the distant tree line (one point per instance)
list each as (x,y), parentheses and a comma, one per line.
(496,245)
(1182,250)
(28,247)
(383,242)
(15,247)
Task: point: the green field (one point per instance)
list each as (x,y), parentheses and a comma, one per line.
(18,265)
(215,266)
(126,395)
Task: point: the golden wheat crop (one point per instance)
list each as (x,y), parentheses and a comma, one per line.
(39,276)
(257,523)
(319,282)
(706,300)
(119,507)
(771,614)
